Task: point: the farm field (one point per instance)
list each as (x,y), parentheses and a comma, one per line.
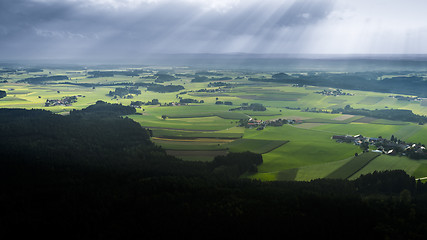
(301,149)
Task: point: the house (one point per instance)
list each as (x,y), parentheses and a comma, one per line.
(374,139)
(391,152)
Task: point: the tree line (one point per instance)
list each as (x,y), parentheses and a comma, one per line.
(391,114)
(365,81)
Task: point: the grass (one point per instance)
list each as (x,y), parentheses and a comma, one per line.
(254,145)
(11,99)
(370,100)
(388,122)
(300,151)
(274,97)
(407,131)
(368,130)
(195,145)
(317,171)
(323,120)
(387,162)
(224,115)
(177,134)
(353,166)
(421,171)
(287,175)
(420,136)
(199,124)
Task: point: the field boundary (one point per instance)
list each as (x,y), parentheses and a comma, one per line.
(353,166)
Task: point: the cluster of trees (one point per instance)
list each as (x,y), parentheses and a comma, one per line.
(3,94)
(233,165)
(163,77)
(225,103)
(253,107)
(8,71)
(190,100)
(155,101)
(101,108)
(314,109)
(122,92)
(40,80)
(200,79)
(164,89)
(219,84)
(391,114)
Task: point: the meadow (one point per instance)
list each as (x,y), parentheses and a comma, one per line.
(299,151)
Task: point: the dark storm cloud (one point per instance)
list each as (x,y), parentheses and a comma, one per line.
(21,14)
(93,27)
(70,28)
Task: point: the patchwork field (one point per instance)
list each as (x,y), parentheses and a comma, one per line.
(300,150)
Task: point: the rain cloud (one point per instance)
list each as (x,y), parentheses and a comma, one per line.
(130,28)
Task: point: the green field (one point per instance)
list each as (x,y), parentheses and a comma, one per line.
(199,132)
(353,166)
(224,115)
(225,134)
(254,145)
(386,162)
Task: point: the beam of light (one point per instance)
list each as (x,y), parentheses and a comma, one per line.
(133,27)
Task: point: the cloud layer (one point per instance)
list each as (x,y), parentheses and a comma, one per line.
(69,29)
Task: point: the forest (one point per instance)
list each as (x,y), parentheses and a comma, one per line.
(391,114)
(96,174)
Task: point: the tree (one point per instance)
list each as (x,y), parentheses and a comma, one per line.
(364,146)
(3,94)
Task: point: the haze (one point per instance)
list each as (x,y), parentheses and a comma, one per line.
(133,29)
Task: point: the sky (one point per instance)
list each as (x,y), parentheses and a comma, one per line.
(75,29)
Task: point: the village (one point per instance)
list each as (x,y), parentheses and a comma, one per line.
(65,101)
(392,146)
